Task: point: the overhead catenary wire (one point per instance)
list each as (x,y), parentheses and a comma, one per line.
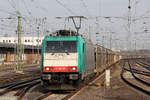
(4,11)
(100,7)
(68,9)
(7,26)
(85,6)
(29,12)
(147,12)
(37,6)
(12,5)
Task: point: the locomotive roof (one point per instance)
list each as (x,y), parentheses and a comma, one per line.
(64,33)
(68,33)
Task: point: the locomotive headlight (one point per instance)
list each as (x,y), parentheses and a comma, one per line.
(47,68)
(73,68)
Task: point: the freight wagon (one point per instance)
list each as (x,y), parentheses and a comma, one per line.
(105,58)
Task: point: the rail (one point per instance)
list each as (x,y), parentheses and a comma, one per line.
(138,79)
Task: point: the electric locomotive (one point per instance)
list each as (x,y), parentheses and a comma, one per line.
(66,60)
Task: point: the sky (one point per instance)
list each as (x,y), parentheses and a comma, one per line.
(109,18)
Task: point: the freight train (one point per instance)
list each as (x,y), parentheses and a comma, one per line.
(68,59)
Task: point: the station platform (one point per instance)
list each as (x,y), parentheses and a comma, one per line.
(118,90)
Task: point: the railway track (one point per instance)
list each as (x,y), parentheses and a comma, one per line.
(21,87)
(20,84)
(26,89)
(91,82)
(14,77)
(133,72)
(24,67)
(52,96)
(65,95)
(44,96)
(144,65)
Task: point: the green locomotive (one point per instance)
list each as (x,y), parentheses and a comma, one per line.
(66,60)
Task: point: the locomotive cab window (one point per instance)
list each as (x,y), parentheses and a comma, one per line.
(61,46)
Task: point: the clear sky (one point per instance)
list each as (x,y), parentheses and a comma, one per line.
(113,31)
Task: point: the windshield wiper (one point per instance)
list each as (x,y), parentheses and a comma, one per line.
(66,51)
(52,53)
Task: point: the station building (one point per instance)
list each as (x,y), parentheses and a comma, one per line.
(8,49)
(25,40)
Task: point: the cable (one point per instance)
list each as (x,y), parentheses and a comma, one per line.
(1,10)
(85,6)
(13,6)
(13,3)
(63,5)
(100,4)
(29,12)
(37,6)
(147,12)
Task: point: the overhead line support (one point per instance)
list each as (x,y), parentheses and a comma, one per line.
(19,46)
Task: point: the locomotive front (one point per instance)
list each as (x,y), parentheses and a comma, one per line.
(60,62)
